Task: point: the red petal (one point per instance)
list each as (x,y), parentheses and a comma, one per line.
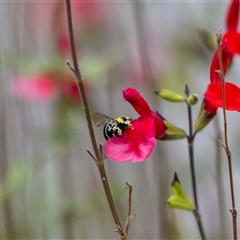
(160,127)
(209,108)
(135,144)
(137,101)
(233,41)
(214,95)
(233,15)
(226,58)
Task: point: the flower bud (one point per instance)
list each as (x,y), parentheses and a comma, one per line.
(172,132)
(170,96)
(207,39)
(206,114)
(179,199)
(192,99)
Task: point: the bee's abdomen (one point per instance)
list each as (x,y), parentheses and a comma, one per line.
(115,128)
(111,129)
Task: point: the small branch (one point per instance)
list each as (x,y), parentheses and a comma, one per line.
(91,154)
(225,145)
(130,215)
(222,144)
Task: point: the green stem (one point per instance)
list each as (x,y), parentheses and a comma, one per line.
(190,139)
(99,159)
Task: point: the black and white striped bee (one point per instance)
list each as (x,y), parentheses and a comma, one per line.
(113,127)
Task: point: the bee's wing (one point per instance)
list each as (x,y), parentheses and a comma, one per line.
(100,119)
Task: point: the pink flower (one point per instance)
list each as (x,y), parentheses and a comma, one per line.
(137,142)
(34,88)
(45,87)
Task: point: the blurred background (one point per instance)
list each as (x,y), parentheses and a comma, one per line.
(49,185)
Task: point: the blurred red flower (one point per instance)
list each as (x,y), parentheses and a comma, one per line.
(137,142)
(89,13)
(34,88)
(45,87)
(63,44)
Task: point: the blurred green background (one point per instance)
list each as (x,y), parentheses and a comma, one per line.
(49,185)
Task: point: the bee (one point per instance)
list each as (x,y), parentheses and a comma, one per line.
(113,127)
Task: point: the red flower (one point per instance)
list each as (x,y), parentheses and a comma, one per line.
(142,108)
(226,59)
(210,110)
(229,47)
(232,94)
(232,16)
(137,142)
(232,40)
(232,37)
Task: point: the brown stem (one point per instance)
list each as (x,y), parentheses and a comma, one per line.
(99,159)
(219,180)
(130,214)
(226,148)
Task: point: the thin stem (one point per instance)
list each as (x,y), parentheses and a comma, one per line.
(80,80)
(199,223)
(191,155)
(99,159)
(219,180)
(190,139)
(130,215)
(226,147)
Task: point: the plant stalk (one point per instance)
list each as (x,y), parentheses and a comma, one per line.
(226,146)
(190,139)
(99,158)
